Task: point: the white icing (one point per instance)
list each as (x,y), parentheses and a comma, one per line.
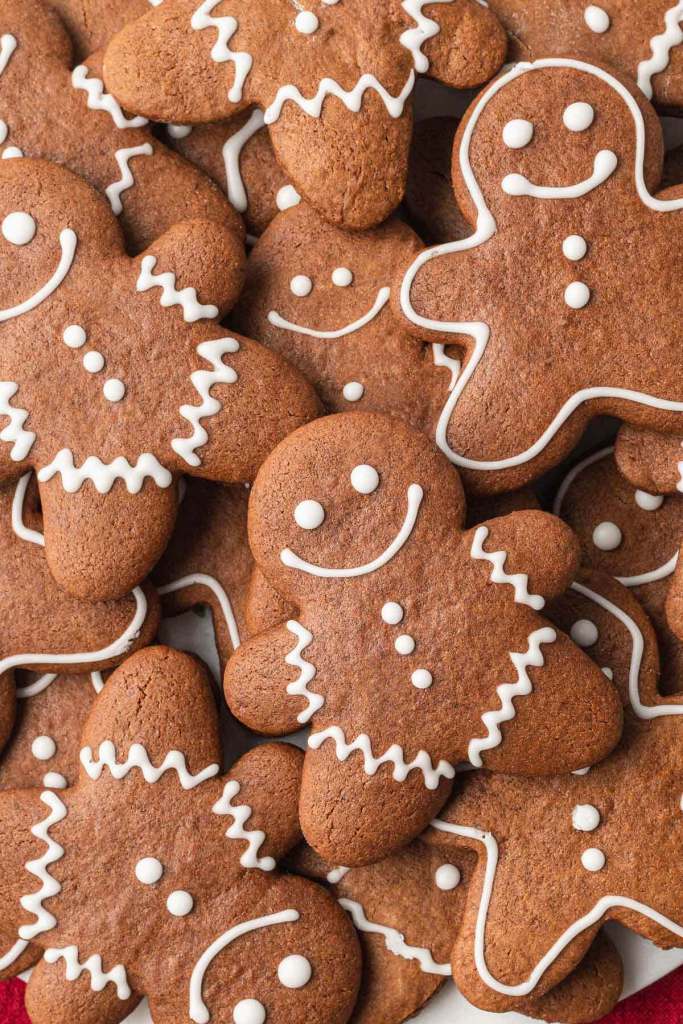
(660,48)
(518,133)
(220,52)
(198,1010)
(341,332)
(364,479)
(307,671)
(68,242)
(54,780)
(336,874)
(98,99)
(126,180)
(649,502)
(293,561)
(12,152)
(394,755)
(605,163)
(200,579)
(414,38)
(596,18)
(179,903)
(353,391)
(19,228)
(240,814)
(93,361)
(249,1011)
(287,197)
(352,98)
(33,903)
(607,536)
(294,971)
(104,474)
(43,748)
(179,131)
(577,295)
(306,22)
(149,870)
(593,859)
(74,336)
(404,644)
(193,310)
(392,613)
(13,954)
(576,471)
(139,758)
(301,286)
(394,940)
(309,514)
(660,573)
(574,247)
(584,633)
(232,154)
(518,581)
(421,679)
(342,277)
(14,433)
(585,818)
(113,389)
(577,117)
(41,684)
(522,687)
(8,45)
(447,877)
(203,381)
(93,967)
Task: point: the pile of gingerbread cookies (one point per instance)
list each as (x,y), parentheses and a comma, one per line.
(401,401)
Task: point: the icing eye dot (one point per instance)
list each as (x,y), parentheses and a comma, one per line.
(294,971)
(607,536)
(306,22)
(649,502)
(585,818)
(392,613)
(309,514)
(404,644)
(353,391)
(179,903)
(301,286)
(574,247)
(249,1011)
(584,633)
(578,116)
(596,18)
(93,361)
(364,479)
(18,228)
(447,877)
(43,748)
(149,870)
(421,679)
(114,389)
(593,859)
(342,277)
(577,295)
(74,336)
(518,133)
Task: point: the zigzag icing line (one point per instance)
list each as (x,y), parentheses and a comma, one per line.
(170,296)
(241,813)
(394,940)
(519,580)
(126,181)
(33,903)
(226,27)
(394,755)
(22,440)
(352,98)
(307,672)
(103,474)
(98,99)
(203,381)
(92,966)
(139,758)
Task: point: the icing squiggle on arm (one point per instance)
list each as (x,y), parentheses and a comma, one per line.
(193,310)
(299,687)
(139,758)
(98,99)
(254,838)
(126,181)
(14,433)
(33,903)
(220,52)
(660,48)
(394,755)
(414,38)
(352,98)
(203,381)
(394,941)
(519,581)
(92,966)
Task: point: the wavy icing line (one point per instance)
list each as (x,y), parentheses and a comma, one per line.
(203,381)
(199,1012)
(254,838)
(200,579)
(193,310)
(307,671)
(394,940)
(13,954)
(508,691)
(8,45)
(98,99)
(518,581)
(21,440)
(22,531)
(232,153)
(414,38)
(139,758)
(33,903)
(352,98)
(226,27)
(114,191)
(394,755)
(485,230)
(104,474)
(46,680)
(660,49)
(68,241)
(378,305)
(92,966)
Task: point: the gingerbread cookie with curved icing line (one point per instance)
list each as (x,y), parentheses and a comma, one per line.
(558,157)
(557,857)
(360,514)
(641,40)
(194,861)
(330,79)
(115,378)
(55,113)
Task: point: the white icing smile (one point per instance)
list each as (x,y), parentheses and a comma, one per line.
(68,242)
(286,325)
(604,166)
(293,561)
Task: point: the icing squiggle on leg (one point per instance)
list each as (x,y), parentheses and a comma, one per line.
(394,755)
(241,813)
(33,903)
(92,966)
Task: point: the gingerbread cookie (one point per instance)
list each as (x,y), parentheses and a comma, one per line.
(430,616)
(56,113)
(429,193)
(193,864)
(559,856)
(641,40)
(167,391)
(92,23)
(330,79)
(546,154)
(651,461)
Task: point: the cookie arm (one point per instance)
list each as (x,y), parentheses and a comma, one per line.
(470,47)
(52,999)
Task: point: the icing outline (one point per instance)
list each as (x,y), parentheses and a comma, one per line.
(394,940)
(68,242)
(200,579)
(378,305)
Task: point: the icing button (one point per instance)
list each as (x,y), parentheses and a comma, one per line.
(577,295)
(306,22)
(249,1011)
(353,391)
(584,633)
(294,971)
(179,903)
(607,536)
(404,644)
(596,18)
(593,859)
(43,748)
(392,613)
(649,502)
(421,679)
(447,877)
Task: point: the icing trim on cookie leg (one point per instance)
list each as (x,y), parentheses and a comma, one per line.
(22,440)
(104,474)
(46,680)
(33,903)
(139,758)
(203,381)
(591,918)
(293,561)
(226,27)
(352,98)
(660,49)
(254,838)
(32,536)
(232,154)
(193,310)
(114,191)
(68,242)
(8,45)
(98,99)
(394,940)
(508,691)
(198,1010)
(394,755)
(92,966)
(13,954)
(519,581)
(414,38)
(200,579)
(286,325)
(307,671)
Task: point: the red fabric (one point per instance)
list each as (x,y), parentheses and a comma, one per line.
(12,1003)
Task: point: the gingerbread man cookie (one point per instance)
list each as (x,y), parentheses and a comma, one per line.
(361,515)
(559,856)
(330,79)
(188,897)
(92,23)
(56,113)
(555,166)
(115,379)
(651,461)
